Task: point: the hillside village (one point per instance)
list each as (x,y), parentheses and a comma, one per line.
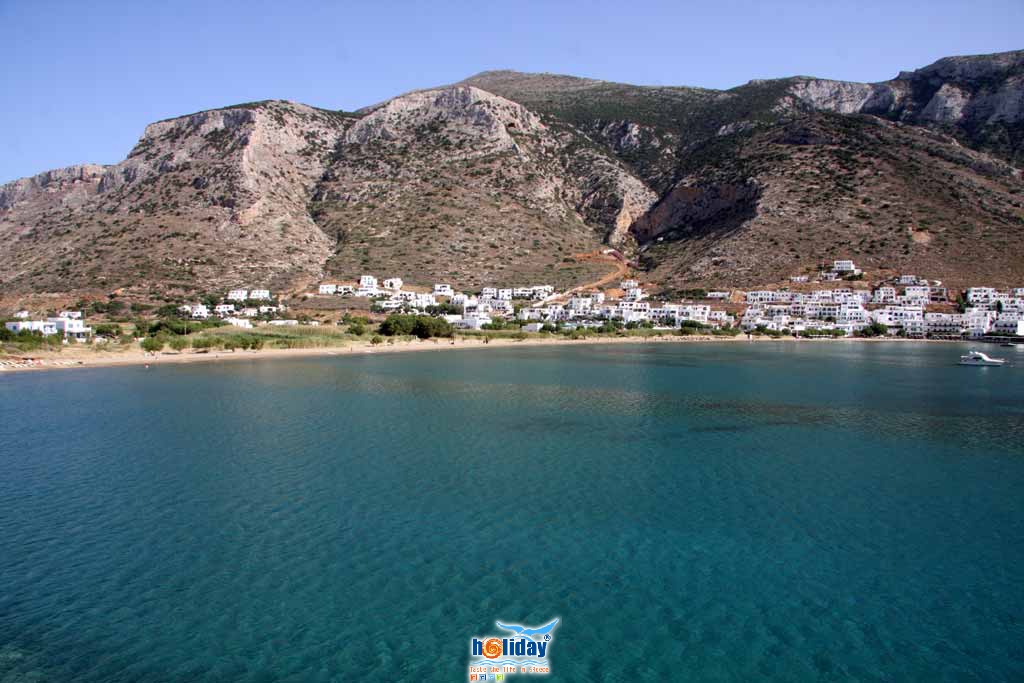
(906,306)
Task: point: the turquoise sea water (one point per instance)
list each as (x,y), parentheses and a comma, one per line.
(721,512)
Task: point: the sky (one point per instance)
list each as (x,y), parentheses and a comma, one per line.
(80,80)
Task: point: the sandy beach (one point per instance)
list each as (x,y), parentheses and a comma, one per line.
(89,357)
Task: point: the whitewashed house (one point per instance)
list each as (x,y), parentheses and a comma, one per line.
(981,295)
(238,295)
(1008,325)
(542,291)
(885,295)
(443,290)
(22,315)
(473,321)
(72,328)
(393,283)
(199,311)
(328,289)
(44,326)
(239,322)
(845,267)
(224,310)
(260,294)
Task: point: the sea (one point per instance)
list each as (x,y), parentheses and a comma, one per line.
(771,511)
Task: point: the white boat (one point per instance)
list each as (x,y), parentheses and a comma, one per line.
(979,358)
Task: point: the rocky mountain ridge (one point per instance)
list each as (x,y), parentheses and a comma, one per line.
(507,177)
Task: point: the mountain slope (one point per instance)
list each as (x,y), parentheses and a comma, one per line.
(461,184)
(506,176)
(209,199)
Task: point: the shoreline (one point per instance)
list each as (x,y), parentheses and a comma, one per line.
(77,359)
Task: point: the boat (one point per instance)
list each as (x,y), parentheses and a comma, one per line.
(1009,345)
(979,358)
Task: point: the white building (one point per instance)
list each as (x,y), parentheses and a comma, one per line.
(238,295)
(283,323)
(443,290)
(239,322)
(473,321)
(75,315)
(845,267)
(46,327)
(1008,325)
(981,295)
(73,328)
(328,289)
(260,294)
(22,315)
(885,295)
(393,283)
(367,282)
(224,309)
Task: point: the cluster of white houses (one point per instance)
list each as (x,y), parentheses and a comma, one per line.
(239,313)
(901,307)
(68,323)
(477,310)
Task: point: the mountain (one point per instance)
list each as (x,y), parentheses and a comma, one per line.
(516,178)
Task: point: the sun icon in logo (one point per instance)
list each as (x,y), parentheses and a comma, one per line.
(492,648)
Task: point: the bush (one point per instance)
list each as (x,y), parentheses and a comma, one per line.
(422,326)
(152,344)
(357,329)
(377,340)
(874,330)
(179,343)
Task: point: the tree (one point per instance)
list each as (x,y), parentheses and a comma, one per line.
(875,329)
(357,329)
(152,344)
(180,343)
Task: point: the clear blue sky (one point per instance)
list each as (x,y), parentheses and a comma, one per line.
(80,80)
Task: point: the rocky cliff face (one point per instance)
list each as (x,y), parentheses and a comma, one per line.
(979,99)
(69,186)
